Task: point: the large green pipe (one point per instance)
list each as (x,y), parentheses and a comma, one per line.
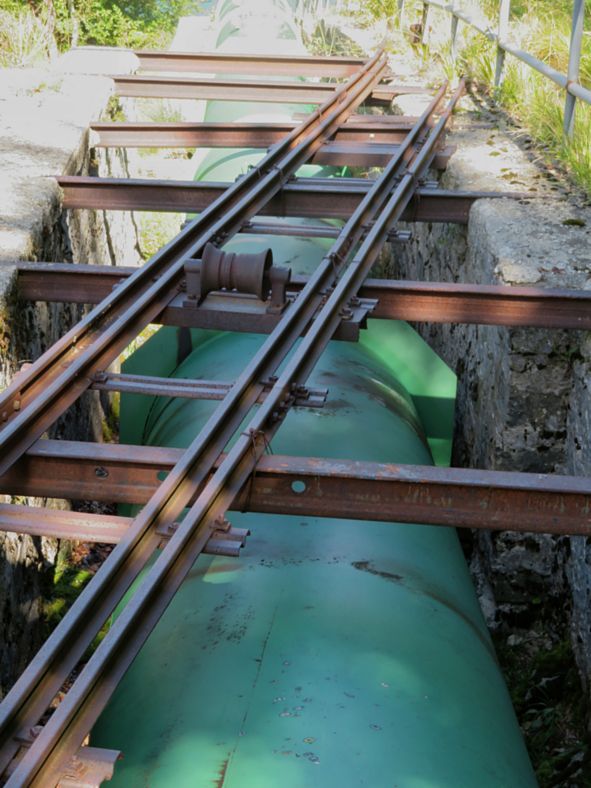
(332,652)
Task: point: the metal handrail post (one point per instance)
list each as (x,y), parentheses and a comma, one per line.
(453,32)
(569,82)
(574,60)
(425,24)
(400,12)
(504,11)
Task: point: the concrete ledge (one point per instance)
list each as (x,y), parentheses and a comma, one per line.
(98,61)
(43,133)
(44,114)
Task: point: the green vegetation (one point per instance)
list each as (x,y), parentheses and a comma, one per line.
(33,30)
(68,583)
(541,28)
(327,39)
(156,230)
(550,704)
(72,573)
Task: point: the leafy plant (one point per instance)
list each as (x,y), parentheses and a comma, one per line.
(24,40)
(542,28)
(66,23)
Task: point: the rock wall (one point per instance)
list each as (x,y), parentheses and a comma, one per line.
(523,394)
(43,132)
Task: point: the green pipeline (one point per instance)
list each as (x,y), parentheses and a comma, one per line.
(332,653)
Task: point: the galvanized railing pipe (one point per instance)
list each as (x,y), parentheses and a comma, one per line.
(503,29)
(453,34)
(568,82)
(574,62)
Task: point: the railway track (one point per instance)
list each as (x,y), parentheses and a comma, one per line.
(209,478)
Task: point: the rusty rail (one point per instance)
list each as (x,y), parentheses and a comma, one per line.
(323,198)
(202,477)
(266,65)
(91,690)
(46,389)
(53,382)
(493,500)
(432,302)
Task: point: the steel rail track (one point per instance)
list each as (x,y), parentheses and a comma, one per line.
(233,415)
(39,396)
(46,389)
(42,763)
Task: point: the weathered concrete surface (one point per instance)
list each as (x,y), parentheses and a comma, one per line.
(43,132)
(524,395)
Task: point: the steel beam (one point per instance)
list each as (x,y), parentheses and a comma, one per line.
(62,524)
(329,198)
(100,528)
(497,305)
(340,153)
(253,65)
(369,154)
(539,503)
(236,135)
(429,302)
(142,86)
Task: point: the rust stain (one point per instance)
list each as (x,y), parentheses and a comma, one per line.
(365,566)
(222,773)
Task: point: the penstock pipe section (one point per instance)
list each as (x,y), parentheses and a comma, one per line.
(42,393)
(90,693)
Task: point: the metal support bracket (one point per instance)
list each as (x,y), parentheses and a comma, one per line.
(88,768)
(354,317)
(224,540)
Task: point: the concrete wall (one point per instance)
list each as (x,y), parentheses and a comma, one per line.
(524,395)
(43,132)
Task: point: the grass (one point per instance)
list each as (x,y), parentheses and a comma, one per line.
(24,40)
(156,230)
(69,581)
(327,39)
(542,29)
